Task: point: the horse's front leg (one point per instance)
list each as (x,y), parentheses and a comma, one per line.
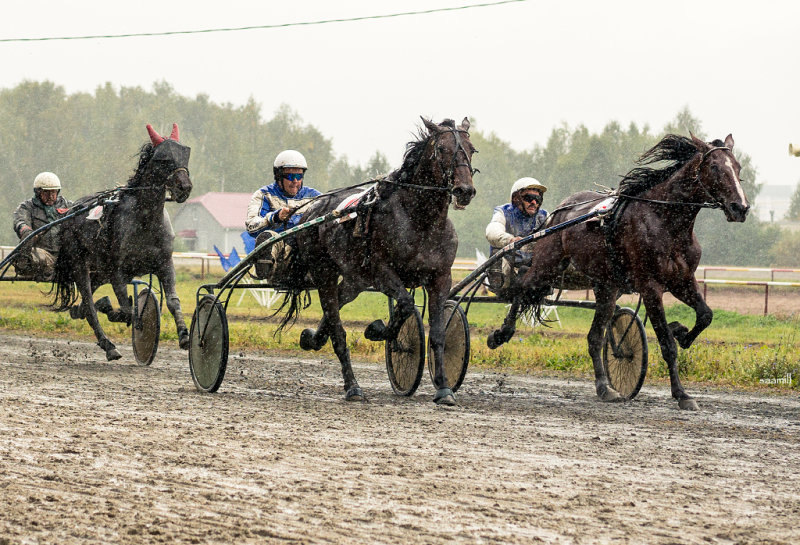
(90,313)
(125,311)
(689,294)
(167,278)
(605,303)
(437,296)
(655,310)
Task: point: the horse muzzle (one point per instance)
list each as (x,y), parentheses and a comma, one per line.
(462,197)
(736,212)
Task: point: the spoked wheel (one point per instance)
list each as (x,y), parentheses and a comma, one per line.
(146,327)
(456,346)
(208,344)
(405,356)
(625,353)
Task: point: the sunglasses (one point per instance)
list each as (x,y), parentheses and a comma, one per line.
(529,198)
(293,177)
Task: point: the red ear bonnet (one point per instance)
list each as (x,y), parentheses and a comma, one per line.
(155,138)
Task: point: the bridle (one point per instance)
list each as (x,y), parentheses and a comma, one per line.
(168,186)
(449,172)
(711,203)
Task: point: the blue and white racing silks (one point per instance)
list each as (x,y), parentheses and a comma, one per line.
(508,222)
(262,212)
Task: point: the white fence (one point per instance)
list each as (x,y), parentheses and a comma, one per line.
(743,276)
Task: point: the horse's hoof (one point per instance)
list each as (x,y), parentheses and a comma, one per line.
(445,396)
(354,394)
(681,334)
(610,395)
(183,340)
(307,339)
(688,404)
(376,331)
(113,354)
(491,340)
(103,305)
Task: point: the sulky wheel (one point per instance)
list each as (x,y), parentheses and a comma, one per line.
(208,344)
(405,356)
(456,346)
(146,327)
(625,353)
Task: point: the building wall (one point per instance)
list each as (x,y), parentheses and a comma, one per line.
(195,217)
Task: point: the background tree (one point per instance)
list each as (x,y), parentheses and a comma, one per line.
(91,141)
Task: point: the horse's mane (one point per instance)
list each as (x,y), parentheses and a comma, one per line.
(136,179)
(413,153)
(145,154)
(678,150)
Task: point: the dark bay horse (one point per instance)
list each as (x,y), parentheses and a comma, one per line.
(648,247)
(130,238)
(405,241)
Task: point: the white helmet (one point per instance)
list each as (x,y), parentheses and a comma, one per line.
(46,181)
(527,183)
(290,159)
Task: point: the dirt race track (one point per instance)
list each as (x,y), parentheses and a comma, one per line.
(92,452)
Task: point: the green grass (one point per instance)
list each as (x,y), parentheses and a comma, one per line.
(737,350)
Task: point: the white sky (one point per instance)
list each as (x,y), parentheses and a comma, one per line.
(517,70)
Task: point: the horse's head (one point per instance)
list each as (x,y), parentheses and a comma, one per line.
(451,154)
(718,173)
(170,162)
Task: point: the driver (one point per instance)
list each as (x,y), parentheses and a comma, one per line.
(272,210)
(47,205)
(511,222)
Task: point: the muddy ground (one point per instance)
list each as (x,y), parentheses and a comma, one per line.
(96,452)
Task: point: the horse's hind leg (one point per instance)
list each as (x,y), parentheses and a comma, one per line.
(501,336)
(329,299)
(311,339)
(669,351)
(90,313)
(605,303)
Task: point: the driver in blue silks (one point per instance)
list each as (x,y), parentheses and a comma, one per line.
(272,210)
(511,222)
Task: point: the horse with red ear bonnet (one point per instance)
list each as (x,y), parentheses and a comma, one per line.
(128,237)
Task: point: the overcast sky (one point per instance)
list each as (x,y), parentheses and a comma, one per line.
(517,70)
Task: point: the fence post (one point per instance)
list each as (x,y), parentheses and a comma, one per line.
(766,299)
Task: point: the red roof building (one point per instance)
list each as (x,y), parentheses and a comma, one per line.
(213,219)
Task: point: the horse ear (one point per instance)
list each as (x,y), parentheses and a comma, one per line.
(174,135)
(729,141)
(697,141)
(465,124)
(430,125)
(155,138)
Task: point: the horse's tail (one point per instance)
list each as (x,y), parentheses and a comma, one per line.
(531,303)
(63,285)
(296,299)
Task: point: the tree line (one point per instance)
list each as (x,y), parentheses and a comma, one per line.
(91,141)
